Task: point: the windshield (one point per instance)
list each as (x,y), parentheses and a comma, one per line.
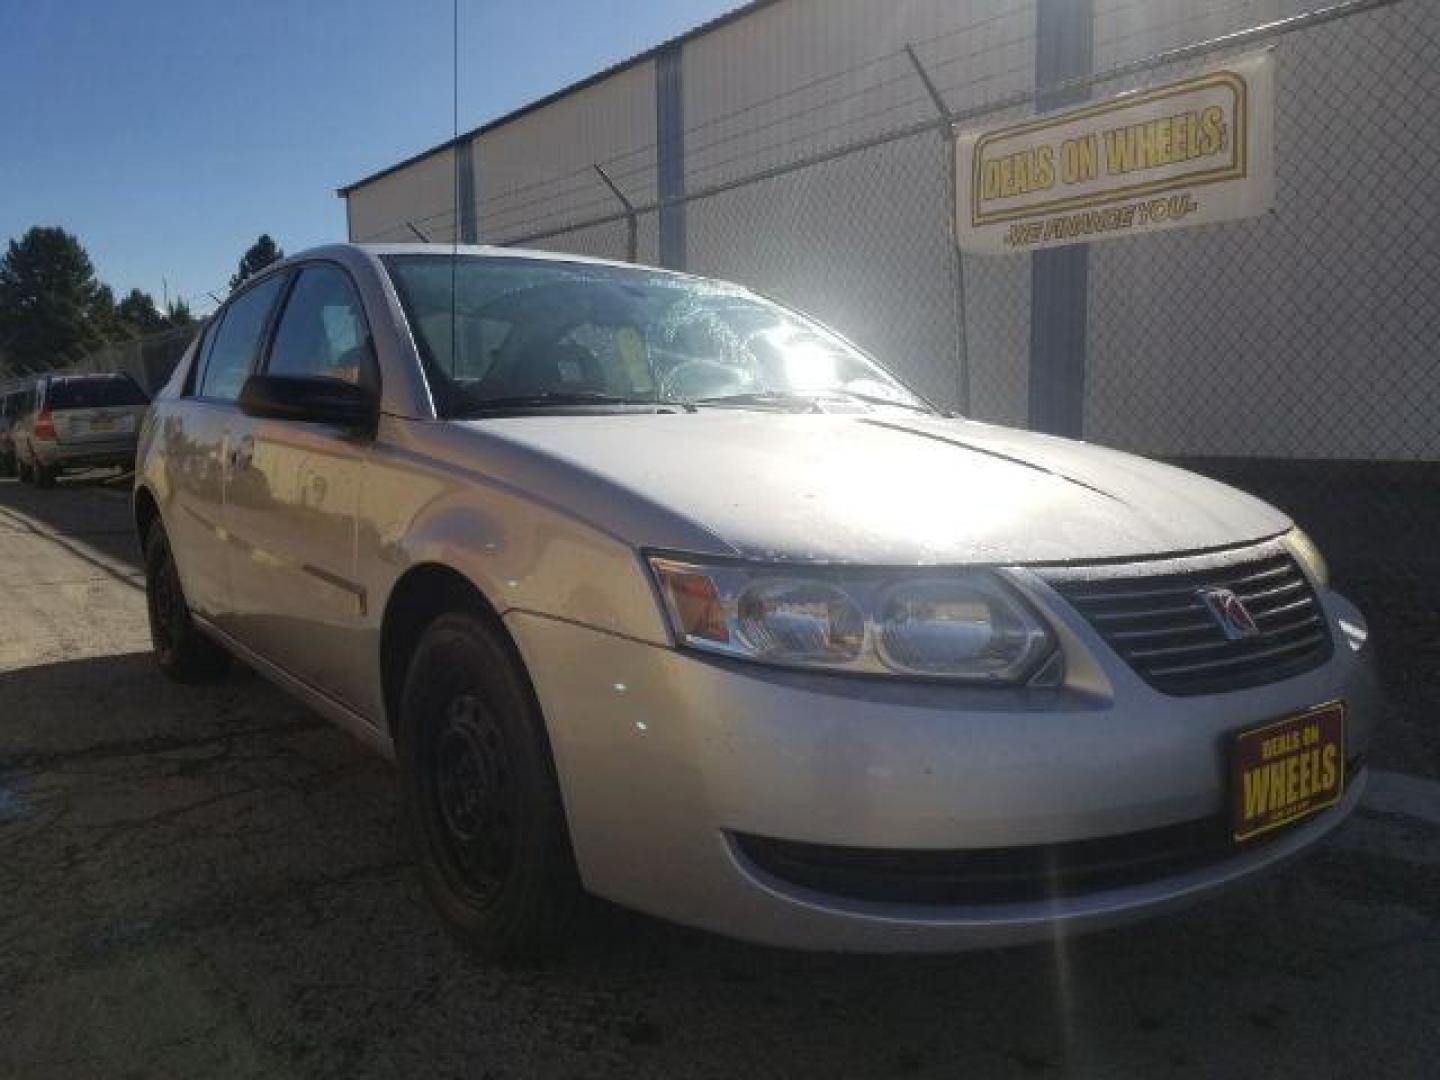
(527,332)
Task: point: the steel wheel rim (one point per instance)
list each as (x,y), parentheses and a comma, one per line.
(473,797)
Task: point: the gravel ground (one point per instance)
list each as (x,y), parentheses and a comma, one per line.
(211,882)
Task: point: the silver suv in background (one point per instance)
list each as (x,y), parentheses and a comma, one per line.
(77,422)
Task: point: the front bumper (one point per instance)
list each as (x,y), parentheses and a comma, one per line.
(666,757)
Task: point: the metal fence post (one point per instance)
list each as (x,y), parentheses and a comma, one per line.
(670,156)
(1059,277)
(632,220)
(465,191)
(947,135)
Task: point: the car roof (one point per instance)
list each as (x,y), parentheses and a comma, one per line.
(492,252)
(347,252)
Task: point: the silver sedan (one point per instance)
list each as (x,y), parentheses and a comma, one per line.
(659,590)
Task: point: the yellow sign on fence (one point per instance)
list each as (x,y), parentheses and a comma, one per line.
(1187,153)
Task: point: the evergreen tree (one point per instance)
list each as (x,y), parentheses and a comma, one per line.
(139,312)
(52,309)
(261,254)
(178,313)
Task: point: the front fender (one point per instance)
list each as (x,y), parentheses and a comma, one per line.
(520,554)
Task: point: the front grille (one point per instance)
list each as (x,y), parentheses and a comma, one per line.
(1159,625)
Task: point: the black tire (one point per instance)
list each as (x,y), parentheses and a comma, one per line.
(182,651)
(43,475)
(481,795)
(8,465)
(23,471)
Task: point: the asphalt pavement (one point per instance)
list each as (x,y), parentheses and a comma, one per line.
(212,882)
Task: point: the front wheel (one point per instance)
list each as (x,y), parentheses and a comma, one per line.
(481,794)
(43,475)
(181,650)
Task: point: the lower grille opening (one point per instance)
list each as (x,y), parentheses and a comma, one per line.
(1009,875)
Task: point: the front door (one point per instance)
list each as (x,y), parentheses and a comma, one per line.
(292,498)
(196,432)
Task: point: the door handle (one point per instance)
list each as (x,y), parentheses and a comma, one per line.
(242,452)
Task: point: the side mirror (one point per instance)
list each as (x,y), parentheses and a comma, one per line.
(312,400)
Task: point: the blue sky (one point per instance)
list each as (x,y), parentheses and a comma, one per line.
(168,135)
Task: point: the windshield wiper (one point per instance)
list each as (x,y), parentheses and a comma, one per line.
(762,399)
(879,399)
(809,402)
(552,398)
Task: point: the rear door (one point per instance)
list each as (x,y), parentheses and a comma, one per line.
(293,494)
(96,409)
(196,435)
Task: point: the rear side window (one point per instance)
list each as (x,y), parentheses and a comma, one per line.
(231,355)
(95,393)
(322,332)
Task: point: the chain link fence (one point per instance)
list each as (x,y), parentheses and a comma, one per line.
(148,360)
(1298,355)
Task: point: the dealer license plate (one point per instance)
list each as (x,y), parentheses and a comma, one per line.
(102,423)
(1287,770)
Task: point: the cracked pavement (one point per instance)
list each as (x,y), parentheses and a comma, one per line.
(212,882)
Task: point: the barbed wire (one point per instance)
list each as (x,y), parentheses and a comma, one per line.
(1019,98)
(496,209)
(503,224)
(745,110)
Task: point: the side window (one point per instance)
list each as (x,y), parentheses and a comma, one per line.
(237,340)
(322,331)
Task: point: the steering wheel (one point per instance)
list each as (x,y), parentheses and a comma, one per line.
(701,378)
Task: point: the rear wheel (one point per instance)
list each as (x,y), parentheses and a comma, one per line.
(22,470)
(43,475)
(481,795)
(181,650)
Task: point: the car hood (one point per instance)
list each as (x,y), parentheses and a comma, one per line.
(885,489)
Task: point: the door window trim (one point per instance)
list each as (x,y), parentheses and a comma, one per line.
(200,354)
(267,332)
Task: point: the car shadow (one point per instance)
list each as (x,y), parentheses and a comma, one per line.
(213,870)
(88,514)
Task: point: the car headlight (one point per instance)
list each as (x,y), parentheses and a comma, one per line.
(1304,550)
(965,625)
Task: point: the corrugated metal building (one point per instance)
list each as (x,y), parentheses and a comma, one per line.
(799,146)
